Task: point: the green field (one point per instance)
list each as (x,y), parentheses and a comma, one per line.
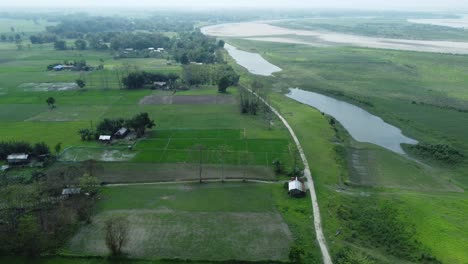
(385,83)
(205,222)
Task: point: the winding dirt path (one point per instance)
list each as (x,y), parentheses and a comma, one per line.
(310,185)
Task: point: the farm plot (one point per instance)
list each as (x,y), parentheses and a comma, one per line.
(187,99)
(177,146)
(195,221)
(47,87)
(76,154)
(70,113)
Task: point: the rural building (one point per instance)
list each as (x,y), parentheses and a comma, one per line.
(296,188)
(18,159)
(105,138)
(58,67)
(71,191)
(160,84)
(63,67)
(121,133)
(160,50)
(4,168)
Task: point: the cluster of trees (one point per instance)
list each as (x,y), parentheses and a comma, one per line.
(43,38)
(39,150)
(138,79)
(249,103)
(195,47)
(211,74)
(139,123)
(10,37)
(439,152)
(139,41)
(35,219)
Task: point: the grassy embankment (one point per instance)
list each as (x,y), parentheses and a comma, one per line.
(378,80)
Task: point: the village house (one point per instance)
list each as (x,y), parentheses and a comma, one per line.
(121,133)
(71,191)
(18,159)
(105,138)
(296,188)
(160,85)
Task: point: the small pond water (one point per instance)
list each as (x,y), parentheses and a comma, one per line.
(253,62)
(361,125)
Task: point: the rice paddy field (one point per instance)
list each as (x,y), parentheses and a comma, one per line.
(192,221)
(201,222)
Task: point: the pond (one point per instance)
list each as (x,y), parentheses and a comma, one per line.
(361,125)
(253,62)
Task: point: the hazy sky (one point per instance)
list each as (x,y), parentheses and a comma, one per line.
(355,4)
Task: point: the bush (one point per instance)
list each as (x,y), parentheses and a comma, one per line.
(439,152)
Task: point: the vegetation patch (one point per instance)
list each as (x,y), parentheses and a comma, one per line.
(204,222)
(437,152)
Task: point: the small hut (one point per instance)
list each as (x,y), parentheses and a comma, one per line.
(121,133)
(296,188)
(18,159)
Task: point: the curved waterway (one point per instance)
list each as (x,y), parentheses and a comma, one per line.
(361,125)
(253,62)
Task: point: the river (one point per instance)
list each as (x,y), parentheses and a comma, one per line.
(253,62)
(361,125)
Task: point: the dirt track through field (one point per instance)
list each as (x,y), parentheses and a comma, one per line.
(310,185)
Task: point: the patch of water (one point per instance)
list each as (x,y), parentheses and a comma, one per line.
(361,125)
(253,62)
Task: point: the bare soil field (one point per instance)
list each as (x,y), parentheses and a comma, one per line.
(187,99)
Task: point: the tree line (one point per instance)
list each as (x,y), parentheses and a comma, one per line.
(139,123)
(39,150)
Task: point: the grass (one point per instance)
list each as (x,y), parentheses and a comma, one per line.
(390,81)
(397,28)
(205,222)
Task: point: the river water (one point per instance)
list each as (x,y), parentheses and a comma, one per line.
(253,62)
(361,125)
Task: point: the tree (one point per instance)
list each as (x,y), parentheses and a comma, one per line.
(221,43)
(57,148)
(184,59)
(89,184)
(296,156)
(80,83)
(278,166)
(140,123)
(223,84)
(60,45)
(296,254)
(86,134)
(51,102)
(41,150)
(116,231)
(81,44)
